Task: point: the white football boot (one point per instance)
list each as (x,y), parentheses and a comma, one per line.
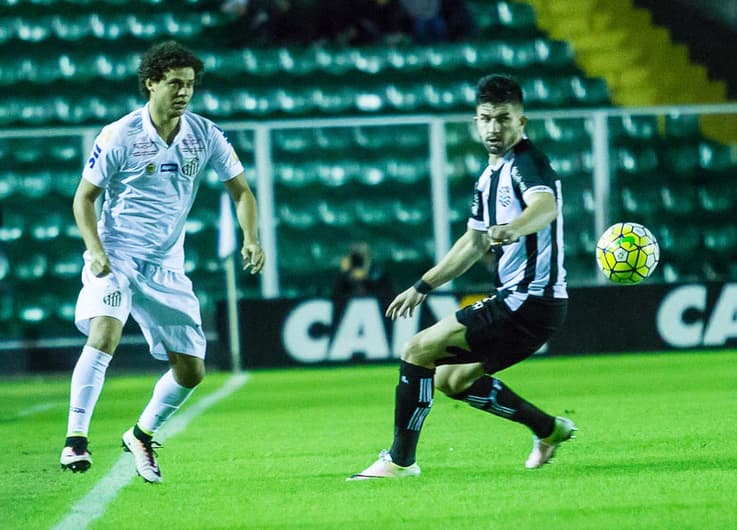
(543,449)
(144,454)
(75,456)
(385,468)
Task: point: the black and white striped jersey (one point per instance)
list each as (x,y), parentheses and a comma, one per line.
(533,265)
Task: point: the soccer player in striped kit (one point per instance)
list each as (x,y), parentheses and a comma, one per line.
(148,164)
(516,213)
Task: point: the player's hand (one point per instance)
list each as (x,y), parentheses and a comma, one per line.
(253,257)
(502,235)
(404,304)
(100,264)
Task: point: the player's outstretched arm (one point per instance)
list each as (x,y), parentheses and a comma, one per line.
(246,212)
(466,251)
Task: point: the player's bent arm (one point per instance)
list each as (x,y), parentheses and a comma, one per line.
(540,211)
(466,251)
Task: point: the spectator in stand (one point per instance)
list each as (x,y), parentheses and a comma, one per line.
(426,20)
(360,275)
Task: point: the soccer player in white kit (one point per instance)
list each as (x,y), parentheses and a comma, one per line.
(148,164)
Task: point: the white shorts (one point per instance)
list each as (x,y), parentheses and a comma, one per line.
(160,300)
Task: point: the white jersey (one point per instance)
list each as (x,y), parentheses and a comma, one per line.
(150,186)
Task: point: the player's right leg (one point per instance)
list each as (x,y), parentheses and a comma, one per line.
(102,309)
(88,378)
(414,396)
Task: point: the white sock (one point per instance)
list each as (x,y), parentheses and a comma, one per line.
(87,380)
(168,396)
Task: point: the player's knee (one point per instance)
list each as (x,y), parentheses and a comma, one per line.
(417,351)
(188,371)
(448,384)
(442,384)
(104,334)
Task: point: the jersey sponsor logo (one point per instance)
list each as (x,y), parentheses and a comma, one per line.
(144,147)
(191,166)
(517,179)
(112,299)
(95,155)
(476,205)
(169,168)
(192,144)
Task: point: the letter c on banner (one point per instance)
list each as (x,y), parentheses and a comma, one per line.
(300,343)
(671,325)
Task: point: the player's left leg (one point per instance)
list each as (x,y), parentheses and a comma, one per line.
(489,394)
(414,395)
(170,392)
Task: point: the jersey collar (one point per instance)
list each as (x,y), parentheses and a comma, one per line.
(153,134)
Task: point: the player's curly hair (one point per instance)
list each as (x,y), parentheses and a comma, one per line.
(161,58)
(497,88)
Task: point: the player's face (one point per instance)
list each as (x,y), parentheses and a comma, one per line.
(171,95)
(500,126)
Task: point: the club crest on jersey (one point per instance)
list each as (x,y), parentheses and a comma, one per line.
(505,195)
(150,169)
(191,166)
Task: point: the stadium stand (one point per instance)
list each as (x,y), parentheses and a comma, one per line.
(74,63)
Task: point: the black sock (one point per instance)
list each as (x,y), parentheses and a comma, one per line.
(413,399)
(78,443)
(138,433)
(490,394)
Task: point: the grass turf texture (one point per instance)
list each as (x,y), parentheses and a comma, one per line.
(656,449)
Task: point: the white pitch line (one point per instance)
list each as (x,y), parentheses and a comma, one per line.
(35,409)
(92,506)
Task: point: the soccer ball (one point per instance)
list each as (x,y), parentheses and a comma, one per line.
(627,253)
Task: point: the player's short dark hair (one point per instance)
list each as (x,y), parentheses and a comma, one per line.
(161,58)
(497,88)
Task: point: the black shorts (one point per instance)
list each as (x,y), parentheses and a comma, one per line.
(500,337)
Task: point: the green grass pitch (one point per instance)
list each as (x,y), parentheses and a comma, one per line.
(656,448)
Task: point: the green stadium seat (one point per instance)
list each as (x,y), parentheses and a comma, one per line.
(680,201)
(721,239)
(682,125)
(636,161)
(681,161)
(716,157)
(641,203)
(633,127)
(718,197)
(335,214)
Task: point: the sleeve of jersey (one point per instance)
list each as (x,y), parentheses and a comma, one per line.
(224,159)
(531,177)
(103,161)
(478,219)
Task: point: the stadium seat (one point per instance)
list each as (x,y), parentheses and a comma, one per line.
(721,239)
(716,157)
(718,197)
(681,161)
(642,203)
(636,161)
(680,200)
(633,127)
